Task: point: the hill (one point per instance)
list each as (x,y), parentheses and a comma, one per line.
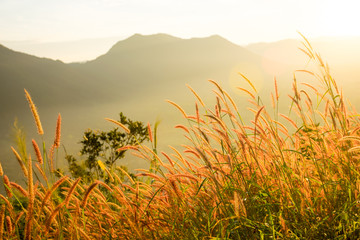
(157,62)
(134,77)
(52,82)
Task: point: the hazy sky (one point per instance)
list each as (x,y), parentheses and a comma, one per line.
(242,22)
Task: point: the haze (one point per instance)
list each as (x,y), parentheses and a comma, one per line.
(82,30)
(133,73)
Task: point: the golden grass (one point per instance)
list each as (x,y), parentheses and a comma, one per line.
(52,189)
(2,217)
(19,188)
(178,107)
(34,113)
(150,133)
(119,124)
(8,224)
(20,161)
(7,186)
(37,151)
(271,178)
(30,209)
(87,194)
(57,132)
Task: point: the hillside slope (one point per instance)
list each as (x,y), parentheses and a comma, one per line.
(134,76)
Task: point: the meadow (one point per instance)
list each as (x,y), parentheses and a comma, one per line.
(278,176)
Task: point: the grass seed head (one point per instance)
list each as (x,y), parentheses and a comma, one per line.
(7,186)
(58,132)
(34,113)
(37,152)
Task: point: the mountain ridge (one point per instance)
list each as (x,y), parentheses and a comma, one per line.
(139,42)
(127,78)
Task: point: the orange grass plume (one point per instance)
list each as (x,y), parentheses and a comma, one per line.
(35,113)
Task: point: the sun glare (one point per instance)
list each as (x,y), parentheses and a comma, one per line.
(338,19)
(253,72)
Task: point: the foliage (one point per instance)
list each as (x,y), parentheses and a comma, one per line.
(104,145)
(284,177)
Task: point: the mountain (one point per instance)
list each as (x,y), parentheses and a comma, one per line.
(138,73)
(134,77)
(54,87)
(152,63)
(52,82)
(68,51)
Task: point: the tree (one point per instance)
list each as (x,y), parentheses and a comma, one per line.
(100,145)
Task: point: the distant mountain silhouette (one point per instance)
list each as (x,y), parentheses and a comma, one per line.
(134,76)
(132,66)
(50,82)
(137,74)
(155,61)
(53,85)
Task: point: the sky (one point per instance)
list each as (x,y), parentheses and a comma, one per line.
(76,30)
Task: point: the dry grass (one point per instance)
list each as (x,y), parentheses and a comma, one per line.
(274,178)
(34,113)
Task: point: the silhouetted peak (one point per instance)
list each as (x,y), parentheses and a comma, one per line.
(138,40)
(158,36)
(217,37)
(5,49)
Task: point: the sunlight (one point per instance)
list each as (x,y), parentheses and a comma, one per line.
(253,72)
(337,19)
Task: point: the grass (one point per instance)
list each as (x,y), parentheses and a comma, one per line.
(277,177)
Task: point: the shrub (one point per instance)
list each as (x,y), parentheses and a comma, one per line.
(101,150)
